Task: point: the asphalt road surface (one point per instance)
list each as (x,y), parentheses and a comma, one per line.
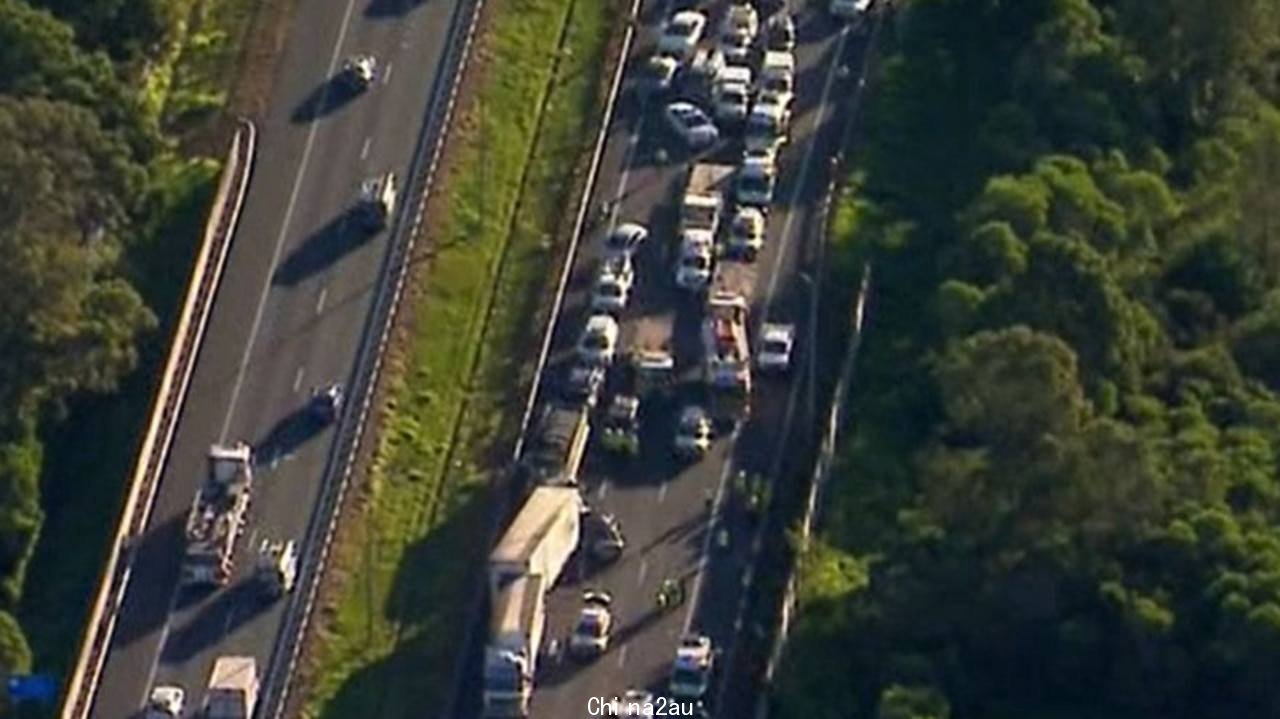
(294,305)
(662,503)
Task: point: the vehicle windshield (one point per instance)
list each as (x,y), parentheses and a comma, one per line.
(682,28)
(734,96)
(502,677)
(686,677)
(590,626)
(755,184)
(776,347)
(697,262)
(609,289)
(595,341)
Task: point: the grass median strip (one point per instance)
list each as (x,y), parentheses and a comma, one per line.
(392,614)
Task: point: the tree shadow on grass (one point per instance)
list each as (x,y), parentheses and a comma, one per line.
(431,601)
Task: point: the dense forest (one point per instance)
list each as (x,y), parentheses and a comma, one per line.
(1059,494)
(87,183)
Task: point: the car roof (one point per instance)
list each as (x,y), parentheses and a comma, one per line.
(686,16)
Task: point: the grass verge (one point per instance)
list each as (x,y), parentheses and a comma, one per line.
(397,596)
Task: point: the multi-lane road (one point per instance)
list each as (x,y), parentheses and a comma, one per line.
(662,503)
(295,307)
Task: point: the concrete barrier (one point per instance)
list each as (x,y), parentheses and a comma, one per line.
(205,277)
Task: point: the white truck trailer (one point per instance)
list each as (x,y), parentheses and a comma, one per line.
(233,689)
(217,516)
(522,568)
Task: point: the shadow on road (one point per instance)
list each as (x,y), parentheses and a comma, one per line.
(291,432)
(327,97)
(228,609)
(324,247)
(144,611)
(384,9)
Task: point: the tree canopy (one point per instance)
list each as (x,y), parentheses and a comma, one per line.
(1060,495)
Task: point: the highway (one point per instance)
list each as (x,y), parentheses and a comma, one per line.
(661,503)
(294,308)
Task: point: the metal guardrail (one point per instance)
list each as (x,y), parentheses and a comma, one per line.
(205,278)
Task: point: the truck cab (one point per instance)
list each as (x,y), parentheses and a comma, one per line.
(697,255)
(757,179)
(167,701)
(622,426)
(277,568)
(378,201)
(556,453)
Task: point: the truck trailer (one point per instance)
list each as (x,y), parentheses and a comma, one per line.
(727,356)
(522,569)
(217,516)
(233,688)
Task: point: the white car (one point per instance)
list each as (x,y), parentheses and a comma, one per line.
(637,703)
(732,102)
(763,145)
(756,181)
(693,432)
(657,75)
(598,343)
(625,239)
(682,33)
(776,343)
(738,31)
(731,98)
(691,671)
(778,71)
(849,9)
(166,702)
(770,115)
(746,232)
(695,129)
(613,285)
(697,254)
(590,636)
(359,71)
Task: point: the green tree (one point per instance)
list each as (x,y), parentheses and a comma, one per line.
(70,320)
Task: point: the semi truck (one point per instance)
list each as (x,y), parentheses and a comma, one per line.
(727,356)
(217,516)
(233,688)
(559,444)
(523,567)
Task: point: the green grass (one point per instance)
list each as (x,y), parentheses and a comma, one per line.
(390,632)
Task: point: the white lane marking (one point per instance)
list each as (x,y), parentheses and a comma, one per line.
(257,322)
(644,568)
(386,76)
(662,491)
(364,149)
(704,560)
(284,231)
(297,379)
(324,293)
(622,656)
(604,489)
(823,105)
